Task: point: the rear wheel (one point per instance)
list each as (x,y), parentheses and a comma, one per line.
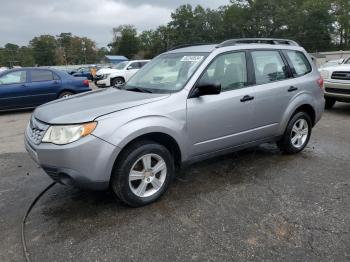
(297,134)
(65,94)
(117,82)
(330,102)
(143,173)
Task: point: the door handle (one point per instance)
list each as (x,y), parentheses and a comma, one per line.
(247,98)
(292,89)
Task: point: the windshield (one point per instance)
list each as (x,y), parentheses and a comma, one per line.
(121,65)
(167,73)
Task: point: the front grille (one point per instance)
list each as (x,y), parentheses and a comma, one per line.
(338,91)
(36,130)
(341,75)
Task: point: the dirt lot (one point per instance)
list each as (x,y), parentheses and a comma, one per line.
(253,205)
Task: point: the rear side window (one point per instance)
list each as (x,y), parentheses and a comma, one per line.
(135,65)
(269,67)
(41,75)
(142,64)
(299,64)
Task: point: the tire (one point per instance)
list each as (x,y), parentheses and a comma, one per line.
(330,102)
(65,94)
(117,82)
(289,143)
(142,187)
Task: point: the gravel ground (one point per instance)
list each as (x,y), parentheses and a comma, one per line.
(252,205)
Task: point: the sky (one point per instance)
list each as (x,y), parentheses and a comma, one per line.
(21,20)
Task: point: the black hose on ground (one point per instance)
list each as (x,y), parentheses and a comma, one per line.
(26,253)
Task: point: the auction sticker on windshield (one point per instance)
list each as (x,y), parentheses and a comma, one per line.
(192,58)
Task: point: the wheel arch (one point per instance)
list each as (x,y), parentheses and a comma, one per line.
(115,77)
(162,138)
(65,90)
(303,102)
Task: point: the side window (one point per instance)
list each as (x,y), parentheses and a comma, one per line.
(142,64)
(16,77)
(55,77)
(134,65)
(229,69)
(299,63)
(41,75)
(269,67)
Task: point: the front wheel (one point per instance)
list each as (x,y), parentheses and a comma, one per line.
(117,82)
(297,134)
(143,173)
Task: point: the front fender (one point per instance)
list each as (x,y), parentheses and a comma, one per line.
(124,133)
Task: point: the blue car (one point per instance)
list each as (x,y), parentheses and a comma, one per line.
(30,87)
(82,72)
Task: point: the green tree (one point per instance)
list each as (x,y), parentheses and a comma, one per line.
(44,47)
(125,41)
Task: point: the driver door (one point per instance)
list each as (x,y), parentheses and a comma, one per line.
(217,122)
(14,90)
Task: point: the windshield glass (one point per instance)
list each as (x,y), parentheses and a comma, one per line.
(121,65)
(167,73)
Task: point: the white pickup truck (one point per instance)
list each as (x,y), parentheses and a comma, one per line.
(336,84)
(119,74)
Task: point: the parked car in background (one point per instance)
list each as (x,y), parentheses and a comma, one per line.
(3,69)
(336,84)
(82,72)
(331,63)
(30,87)
(186,105)
(119,74)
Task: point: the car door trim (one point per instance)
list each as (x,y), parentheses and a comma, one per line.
(235,134)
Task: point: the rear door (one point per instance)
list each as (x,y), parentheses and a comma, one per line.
(44,85)
(14,90)
(274,88)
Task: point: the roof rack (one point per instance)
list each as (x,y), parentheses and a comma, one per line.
(187,45)
(269,41)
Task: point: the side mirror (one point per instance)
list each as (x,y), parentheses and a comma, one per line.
(204,88)
(129,68)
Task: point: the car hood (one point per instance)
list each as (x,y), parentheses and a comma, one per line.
(88,106)
(343,67)
(106,71)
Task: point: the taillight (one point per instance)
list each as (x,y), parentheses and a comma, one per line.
(320,82)
(86,82)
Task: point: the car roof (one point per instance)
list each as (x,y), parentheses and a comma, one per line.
(58,72)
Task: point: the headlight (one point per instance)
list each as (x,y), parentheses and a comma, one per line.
(105,76)
(62,135)
(325,74)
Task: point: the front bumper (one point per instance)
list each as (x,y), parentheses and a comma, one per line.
(103,82)
(86,163)
(340,91)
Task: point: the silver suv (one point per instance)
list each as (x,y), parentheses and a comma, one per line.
(186,105)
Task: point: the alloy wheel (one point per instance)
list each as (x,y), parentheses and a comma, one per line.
(147,175)
(300,133)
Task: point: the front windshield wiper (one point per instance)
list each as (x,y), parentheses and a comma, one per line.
(138,89)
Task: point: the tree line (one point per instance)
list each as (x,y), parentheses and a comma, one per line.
(318,25)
